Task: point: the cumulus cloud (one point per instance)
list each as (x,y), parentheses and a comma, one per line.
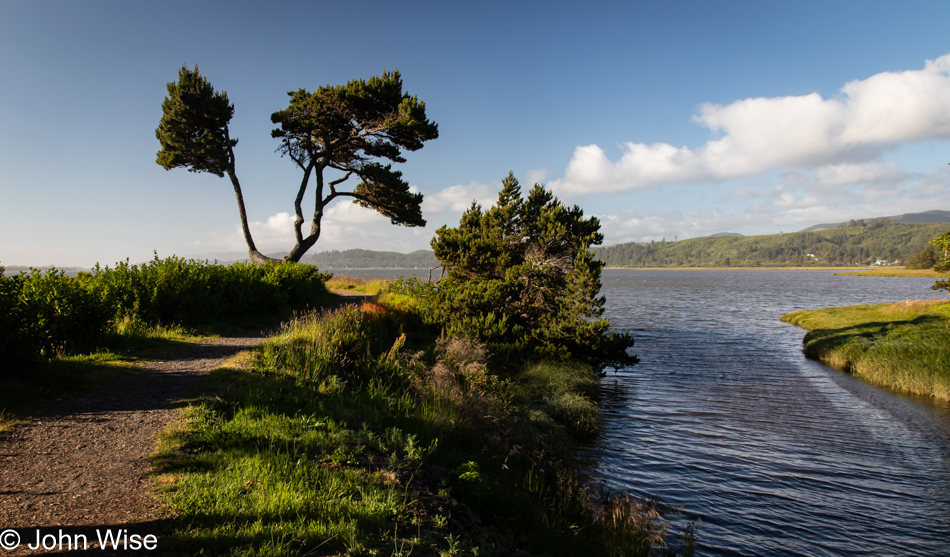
(459,198)
(347,211)
(855,173)
(276,230)
(537,176)
(755,135)
(830,194)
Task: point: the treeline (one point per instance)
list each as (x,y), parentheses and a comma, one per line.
(45,314)
(856,243)
(367,259)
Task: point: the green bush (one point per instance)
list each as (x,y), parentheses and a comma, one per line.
(45,314)
(189,292)
(10,330)
(523,280)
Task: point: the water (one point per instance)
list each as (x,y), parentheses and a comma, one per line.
(776,454)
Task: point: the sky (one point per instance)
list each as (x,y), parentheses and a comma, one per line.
(668,119)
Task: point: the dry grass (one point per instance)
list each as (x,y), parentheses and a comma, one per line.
(895,272)
(354,284)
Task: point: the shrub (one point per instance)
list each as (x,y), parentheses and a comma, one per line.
(50,313)
(44,314)
(189,292)
(523,280)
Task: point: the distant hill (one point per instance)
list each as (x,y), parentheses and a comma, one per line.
(860,244)
(926,216)
(724,234)
(14,269)
(367,259)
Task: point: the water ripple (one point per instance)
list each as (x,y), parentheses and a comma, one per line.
(777,455)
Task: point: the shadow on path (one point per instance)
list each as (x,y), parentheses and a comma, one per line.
(85,461)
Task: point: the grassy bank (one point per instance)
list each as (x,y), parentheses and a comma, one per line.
(737,268)
(904,346)
(896,272)
(363,432)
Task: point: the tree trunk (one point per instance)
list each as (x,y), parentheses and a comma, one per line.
(256,256)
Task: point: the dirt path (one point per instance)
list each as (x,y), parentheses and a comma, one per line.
(82,466)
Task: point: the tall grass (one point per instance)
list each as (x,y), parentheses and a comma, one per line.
(354,284)
(360,432)
(904,346)
(49,314)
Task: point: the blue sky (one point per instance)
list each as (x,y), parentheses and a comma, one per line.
(664,119)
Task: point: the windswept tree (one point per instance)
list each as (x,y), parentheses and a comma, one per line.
(347,131)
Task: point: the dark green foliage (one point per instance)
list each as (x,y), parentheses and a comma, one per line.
(942,265)
(357,129)
(923,260)
(46,314)
(193,131)
(522,279)
(347,127)
(188,292)
(850,245)
(61,314)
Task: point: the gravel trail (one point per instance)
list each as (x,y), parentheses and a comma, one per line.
(83,465)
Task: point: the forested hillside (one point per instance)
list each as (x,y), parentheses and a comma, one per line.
(857,243)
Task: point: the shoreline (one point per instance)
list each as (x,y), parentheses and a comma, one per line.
(901,346)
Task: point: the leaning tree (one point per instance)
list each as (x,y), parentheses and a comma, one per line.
(355,130)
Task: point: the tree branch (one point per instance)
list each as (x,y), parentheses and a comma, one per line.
(298,221)
(337,182)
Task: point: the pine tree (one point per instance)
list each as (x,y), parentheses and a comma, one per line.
(523,279)
(351,129)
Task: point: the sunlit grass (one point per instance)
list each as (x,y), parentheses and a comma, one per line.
(903,346)
(349,433)
(353,284)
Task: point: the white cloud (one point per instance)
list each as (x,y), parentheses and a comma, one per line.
(347,211)
(759,134)
(801,199)
(459,198)
(533,177)
(277,230)
(855,173)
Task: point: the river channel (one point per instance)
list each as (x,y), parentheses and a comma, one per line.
(773,453)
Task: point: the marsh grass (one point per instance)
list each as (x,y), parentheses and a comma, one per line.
(358,432)
(894,272)
(904,346)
